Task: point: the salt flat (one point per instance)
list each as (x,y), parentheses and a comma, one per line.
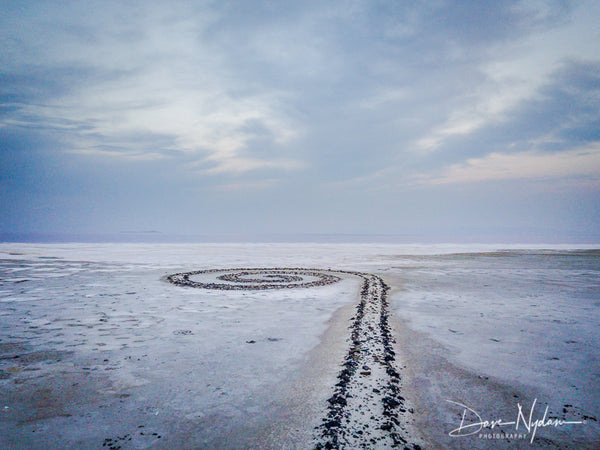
(97,349)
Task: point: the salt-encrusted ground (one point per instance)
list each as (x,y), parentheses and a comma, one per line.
(493,330)
(97,349)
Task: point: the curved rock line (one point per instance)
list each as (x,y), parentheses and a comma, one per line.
(272,278)
(365,408)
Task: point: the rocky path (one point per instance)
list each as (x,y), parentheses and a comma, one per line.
(365,408)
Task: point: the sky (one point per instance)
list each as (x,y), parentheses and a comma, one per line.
(440,121)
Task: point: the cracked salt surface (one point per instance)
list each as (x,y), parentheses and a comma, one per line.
(96,348)
(526,320)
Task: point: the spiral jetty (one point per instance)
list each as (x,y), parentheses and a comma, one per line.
(366,406)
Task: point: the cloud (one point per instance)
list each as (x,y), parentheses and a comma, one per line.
(236,187)
(563,115)
(131,156)
(152,75)
(514,70)
(238,165)
(581,162)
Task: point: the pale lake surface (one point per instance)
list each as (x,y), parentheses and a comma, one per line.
(96,348)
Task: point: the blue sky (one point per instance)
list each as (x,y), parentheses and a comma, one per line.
(443,120)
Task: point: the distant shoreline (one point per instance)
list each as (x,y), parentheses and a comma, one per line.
(157,237)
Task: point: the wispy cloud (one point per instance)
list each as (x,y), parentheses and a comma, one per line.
(244,186)
(581,162)
(514,71)
(105,153)
(160,78)
(238,165)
